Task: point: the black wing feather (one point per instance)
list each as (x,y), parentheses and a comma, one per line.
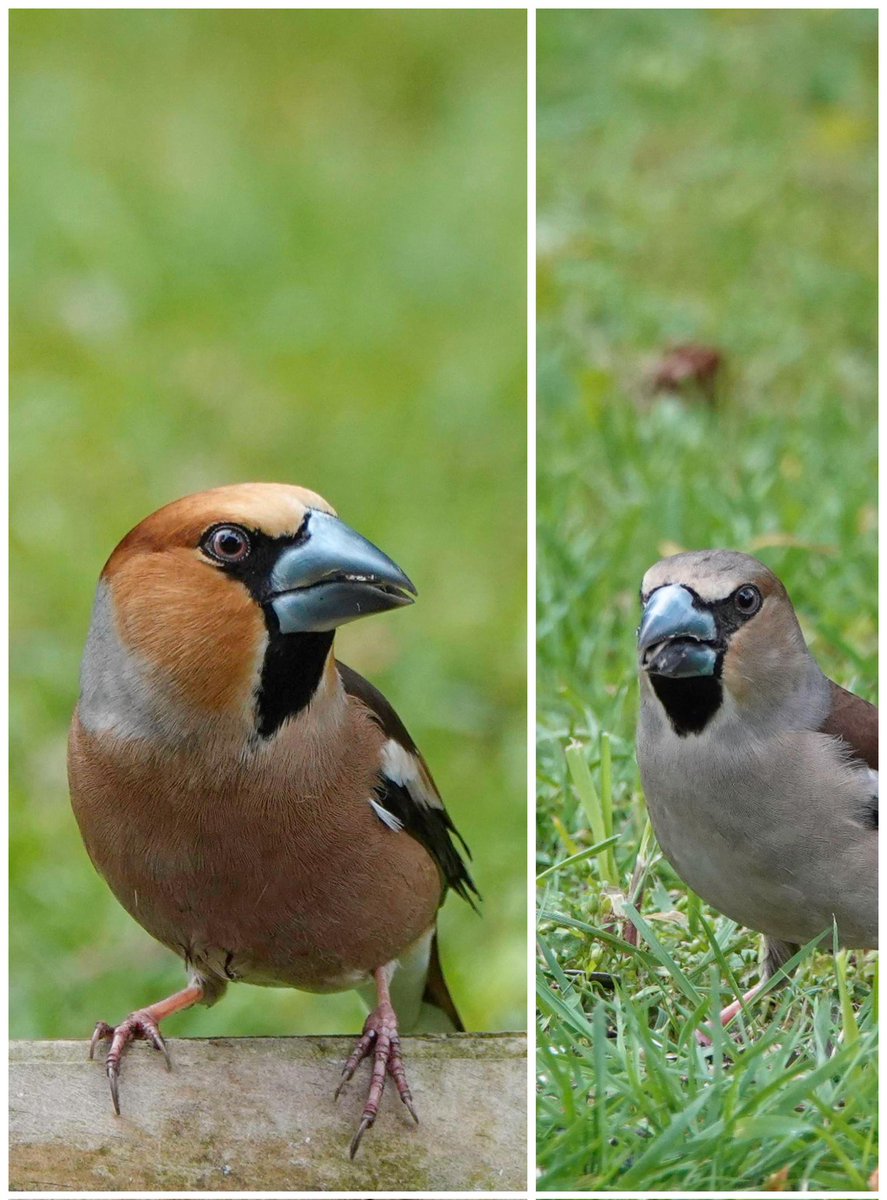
(428,824)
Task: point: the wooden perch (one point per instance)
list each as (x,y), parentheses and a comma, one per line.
(257,1114)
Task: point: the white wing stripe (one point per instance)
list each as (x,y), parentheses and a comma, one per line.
(405,769)
(386,817)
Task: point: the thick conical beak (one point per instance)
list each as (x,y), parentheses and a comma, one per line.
(675,636)
(332,576)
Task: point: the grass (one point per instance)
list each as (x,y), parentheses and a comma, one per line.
(707,177)
(271,245)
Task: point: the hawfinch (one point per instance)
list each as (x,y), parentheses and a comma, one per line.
(760,774)
(255,805)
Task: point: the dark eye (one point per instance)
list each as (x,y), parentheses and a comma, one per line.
(227,543)
(747,599)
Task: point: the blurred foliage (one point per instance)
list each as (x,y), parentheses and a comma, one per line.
(282,245)
(710,177)
(705,177)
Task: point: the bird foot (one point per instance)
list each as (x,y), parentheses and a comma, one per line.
(380,1036)
(727,1014)
(137,1025)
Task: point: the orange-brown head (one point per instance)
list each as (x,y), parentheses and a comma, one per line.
(225,603)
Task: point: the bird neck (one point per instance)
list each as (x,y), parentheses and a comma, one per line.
(124,694)
(797,699)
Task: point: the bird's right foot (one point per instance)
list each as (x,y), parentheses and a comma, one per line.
(139,1024)
(145,1023)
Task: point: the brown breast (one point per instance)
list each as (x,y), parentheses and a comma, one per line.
(277,870)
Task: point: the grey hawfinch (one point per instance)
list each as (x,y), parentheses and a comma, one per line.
(760,774)
(256,806)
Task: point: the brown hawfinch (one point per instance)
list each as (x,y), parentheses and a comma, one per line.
(256,806)
(760,774)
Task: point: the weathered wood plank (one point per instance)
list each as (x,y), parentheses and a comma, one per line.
(257,1114)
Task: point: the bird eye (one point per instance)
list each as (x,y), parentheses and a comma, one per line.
(227,543)
(747,599)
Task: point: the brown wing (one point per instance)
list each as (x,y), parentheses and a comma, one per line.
(855,722)
(390,722)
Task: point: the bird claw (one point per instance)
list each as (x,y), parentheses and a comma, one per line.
(379,1031)
(102,1031)
(137,1025)
(356,1057)
(365,1123)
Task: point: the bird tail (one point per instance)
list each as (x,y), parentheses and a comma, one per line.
(438,1013)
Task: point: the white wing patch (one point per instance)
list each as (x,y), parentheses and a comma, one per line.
(408,771)
(386,817)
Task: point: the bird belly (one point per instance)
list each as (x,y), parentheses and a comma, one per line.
(259,924)
(303,895)
(771,839)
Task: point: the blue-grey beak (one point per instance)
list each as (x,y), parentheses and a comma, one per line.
(332,576)
(674,637)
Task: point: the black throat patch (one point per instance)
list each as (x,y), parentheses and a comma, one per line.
(291,671)
(689,703)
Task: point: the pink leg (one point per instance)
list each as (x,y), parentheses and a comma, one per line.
(379,1030)
(141,1024)
(727,1014)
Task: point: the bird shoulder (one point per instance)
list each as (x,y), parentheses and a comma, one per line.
(855,722)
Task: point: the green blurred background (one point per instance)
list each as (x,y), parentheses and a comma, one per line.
(277,246)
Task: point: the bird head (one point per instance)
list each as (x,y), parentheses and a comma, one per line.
(228,599)
(718,621)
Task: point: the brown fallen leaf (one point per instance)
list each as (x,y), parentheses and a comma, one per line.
(689,367)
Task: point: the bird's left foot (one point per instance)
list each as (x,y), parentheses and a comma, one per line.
(727,1014)
(380,1036)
